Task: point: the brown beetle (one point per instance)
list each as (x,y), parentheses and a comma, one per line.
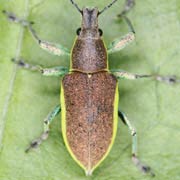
(89,97)
(89,91)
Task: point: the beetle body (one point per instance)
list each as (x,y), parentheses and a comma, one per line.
(89,98)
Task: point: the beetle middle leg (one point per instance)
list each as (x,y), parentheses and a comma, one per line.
(56,49)
(54,71)
(44,135)
(126,75)
(136,161)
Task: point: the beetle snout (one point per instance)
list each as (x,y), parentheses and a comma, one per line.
(89,18)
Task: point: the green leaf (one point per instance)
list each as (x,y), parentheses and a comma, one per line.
(26,97)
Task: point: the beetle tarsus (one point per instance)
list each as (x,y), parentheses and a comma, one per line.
(18,62)
(37,142)
(34,144)
(143,168)
(12,17)
(129,4)
(168,79)
(24,65)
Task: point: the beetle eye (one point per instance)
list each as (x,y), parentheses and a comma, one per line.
(78,31)
(100,32)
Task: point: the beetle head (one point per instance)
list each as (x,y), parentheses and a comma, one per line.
(89,26)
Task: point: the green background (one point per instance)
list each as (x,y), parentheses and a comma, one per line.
(26,97)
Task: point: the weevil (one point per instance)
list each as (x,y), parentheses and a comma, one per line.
(89,91)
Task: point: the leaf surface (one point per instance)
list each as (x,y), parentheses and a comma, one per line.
(27,97)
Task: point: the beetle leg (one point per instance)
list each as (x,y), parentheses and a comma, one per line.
(129,4)
(53,48)
(54,71)
(126,75)
(120,74)
(120,43)
(136,161)
(132,130)
(44,135)
(27,66)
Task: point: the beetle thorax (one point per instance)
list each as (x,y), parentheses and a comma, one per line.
(89,53)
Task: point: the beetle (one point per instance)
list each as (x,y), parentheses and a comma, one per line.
(89,91)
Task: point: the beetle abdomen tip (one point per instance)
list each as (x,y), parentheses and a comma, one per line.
(88,172)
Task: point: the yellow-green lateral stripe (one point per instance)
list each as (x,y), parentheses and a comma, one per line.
(115,124)
(63,126)
(107,56)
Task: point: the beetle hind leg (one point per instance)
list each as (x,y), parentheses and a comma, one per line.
(143,168)
(45,134)
(37,142)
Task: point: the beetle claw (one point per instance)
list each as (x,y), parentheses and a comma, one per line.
(144,168)
(33,144)
(168,79)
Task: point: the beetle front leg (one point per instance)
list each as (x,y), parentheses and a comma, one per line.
(53,48)
(129,4)
(136,161)
(45,134)
(120,43)
(126,75)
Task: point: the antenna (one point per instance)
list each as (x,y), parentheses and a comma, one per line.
(107,7)
(76,6)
